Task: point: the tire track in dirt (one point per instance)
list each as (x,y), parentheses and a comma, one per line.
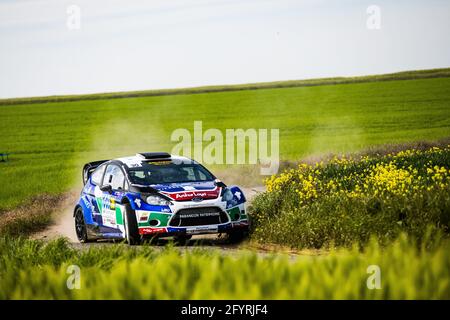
(30,216)
(62,224)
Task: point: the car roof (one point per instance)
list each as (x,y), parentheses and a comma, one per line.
(139,159)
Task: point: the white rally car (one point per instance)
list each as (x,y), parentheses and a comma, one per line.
(156,195)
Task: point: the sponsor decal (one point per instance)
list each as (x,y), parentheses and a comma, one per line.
(109,217)
(108,210)
(242,223)
(144,216)
(198,215)
(151,230)
(159,163)
(201,229)
(132,162)
(189,195)
(88,204)
(106,202)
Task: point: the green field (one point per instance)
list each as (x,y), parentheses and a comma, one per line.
(397,224)
(49,141)
(405,75)
(30,270)
(50,138)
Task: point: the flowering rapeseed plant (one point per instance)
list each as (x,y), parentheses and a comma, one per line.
(348,199)
(363,177)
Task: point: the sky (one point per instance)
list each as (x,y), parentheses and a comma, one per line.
(56,47)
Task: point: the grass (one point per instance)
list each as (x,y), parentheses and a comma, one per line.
(347,200)
(32,270)
(405,75)
(48,142)
(50,138)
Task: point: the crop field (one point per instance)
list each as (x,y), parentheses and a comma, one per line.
(49,141)
(379,212)
(31,270)
(388,209)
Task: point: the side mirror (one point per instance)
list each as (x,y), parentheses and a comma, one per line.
(106,188)
(219,183)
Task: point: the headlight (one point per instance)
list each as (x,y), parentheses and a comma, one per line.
(157,201)
(227,195)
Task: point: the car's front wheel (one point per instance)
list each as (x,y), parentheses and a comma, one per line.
(131,227)
(80,226)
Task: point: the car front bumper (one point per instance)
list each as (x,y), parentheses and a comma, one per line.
(194,230)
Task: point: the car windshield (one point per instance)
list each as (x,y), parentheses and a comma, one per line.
(168,172)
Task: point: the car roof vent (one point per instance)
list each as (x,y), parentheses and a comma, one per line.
(153,155)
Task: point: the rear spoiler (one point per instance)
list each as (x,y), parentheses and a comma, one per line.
(89,168)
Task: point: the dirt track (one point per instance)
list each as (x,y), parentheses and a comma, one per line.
(63,225)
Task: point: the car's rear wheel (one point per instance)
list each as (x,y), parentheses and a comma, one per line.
(80,226)
(131,227)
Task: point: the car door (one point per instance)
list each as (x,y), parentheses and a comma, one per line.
(111,211)
(92,195)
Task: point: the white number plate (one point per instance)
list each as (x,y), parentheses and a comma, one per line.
(202,229)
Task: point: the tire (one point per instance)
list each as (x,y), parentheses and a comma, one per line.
(236,237)
(132,235)
(182,240)
(80,226)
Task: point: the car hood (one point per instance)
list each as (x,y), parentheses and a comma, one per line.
(187,191)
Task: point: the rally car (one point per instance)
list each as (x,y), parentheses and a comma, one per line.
(156,195)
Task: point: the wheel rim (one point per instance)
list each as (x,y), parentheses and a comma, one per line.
(80,228)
